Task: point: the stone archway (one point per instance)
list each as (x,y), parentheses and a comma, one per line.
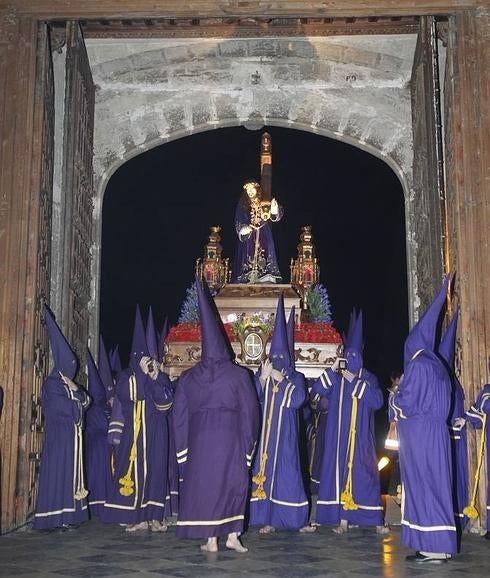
(354,89)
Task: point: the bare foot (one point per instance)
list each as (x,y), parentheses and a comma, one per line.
(382,530)
(137,527)
(157,526)
(233,543)
(210,546)
(309,529)
(267,530)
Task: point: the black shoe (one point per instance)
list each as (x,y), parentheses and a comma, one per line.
(421,559)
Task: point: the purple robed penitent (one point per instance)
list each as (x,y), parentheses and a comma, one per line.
(139,489)
(97,448)
(339,393)
(215,421)
(475,415)
(280,499)
(457,429)
(61,494)
(421,408)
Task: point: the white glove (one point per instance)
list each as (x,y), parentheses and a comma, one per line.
(266,370)
(67,381)
(459,422)
(348,375)
(145,364)
(245,230)
(274,207)
(277,375)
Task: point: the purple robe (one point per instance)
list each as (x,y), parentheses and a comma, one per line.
(475,416)
(215,420)
(97,456)
(172,504)
(246,248)
(366,491)
(459,454)
(286,504)
(421,408)
(61,468)
(137,392)
(316,442)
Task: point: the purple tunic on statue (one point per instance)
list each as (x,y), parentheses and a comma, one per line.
(144,404)
(215,420)
(421,408)
(475,415)
(246,247)
(333,474)
(61,470)
(285,504)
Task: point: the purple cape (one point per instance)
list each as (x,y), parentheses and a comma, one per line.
(61,469)
(333,473)
(144,403)
(285,504)
(215,420)
(421,408)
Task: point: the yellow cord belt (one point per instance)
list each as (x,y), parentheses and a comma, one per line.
(127,483)
(260,477)
(471,510)
(347,497)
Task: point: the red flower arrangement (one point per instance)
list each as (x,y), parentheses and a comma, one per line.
(316,333)
(304,333)
(192,332)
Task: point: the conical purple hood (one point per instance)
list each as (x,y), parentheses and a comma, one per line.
(64,359)
(423,333)
(162,336)
(151,336)
(355,345)
(214,342)
(96,388)
(290,329)
(279,350)
(447,347)
(115,360)
(105,370)
(352,322)
(138,347)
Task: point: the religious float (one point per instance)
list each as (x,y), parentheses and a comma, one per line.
(246,294)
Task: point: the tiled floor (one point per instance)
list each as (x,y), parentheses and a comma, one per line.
(100,550)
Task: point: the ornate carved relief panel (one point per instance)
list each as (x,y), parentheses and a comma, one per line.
(78,191)
(427,182)
(43,269)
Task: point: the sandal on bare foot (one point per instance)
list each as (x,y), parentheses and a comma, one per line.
(309,529)
(382,530)
(137,527)
(267,530)
(157,526)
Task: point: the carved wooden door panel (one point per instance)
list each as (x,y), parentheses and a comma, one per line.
(78,191)
(40,353)
(428,181)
